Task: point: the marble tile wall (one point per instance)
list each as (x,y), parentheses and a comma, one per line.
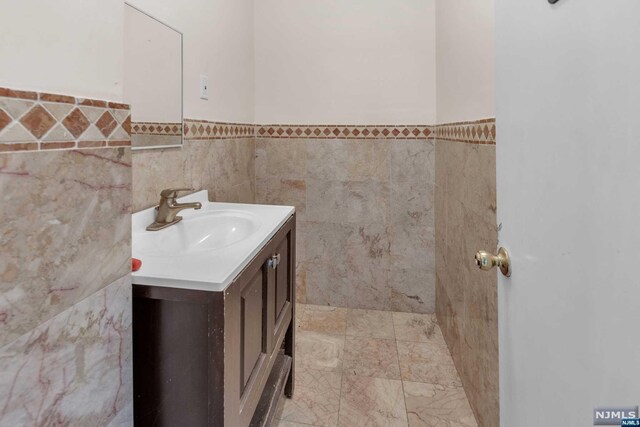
(466,298)
(365,218)
(75,368)
(65,229)
(225,167)
(65,248)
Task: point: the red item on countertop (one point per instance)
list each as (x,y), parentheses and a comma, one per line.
(135,264)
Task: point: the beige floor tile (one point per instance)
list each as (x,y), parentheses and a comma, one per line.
(300,309)
(320,318)
(370,323)
(349,365)
(371,357)
(417,327)
(427,363)
(280,407)
(432,405)
(371,402)
(316,399)
(316,350)
(280,423)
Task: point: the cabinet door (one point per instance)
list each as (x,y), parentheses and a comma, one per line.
(282,278)
(279,293)
(252,326)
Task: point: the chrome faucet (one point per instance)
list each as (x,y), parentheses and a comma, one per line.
(168,209)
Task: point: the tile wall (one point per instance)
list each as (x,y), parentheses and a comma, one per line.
(365,211)
(465,222)
(65,248)
(218,157)
(153,134)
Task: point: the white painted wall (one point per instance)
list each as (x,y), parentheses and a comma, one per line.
(568,106)
(76,47)
(465,59)
(218,42)
(64,46)
(345,62)
(152,80)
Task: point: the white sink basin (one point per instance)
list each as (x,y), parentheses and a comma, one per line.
(209,231)
(208,248)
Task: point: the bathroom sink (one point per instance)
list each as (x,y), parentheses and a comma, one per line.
(209,231)
(208,248)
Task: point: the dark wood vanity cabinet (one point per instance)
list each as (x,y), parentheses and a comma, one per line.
(205,358)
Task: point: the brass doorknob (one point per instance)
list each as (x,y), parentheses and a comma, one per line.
(486,261)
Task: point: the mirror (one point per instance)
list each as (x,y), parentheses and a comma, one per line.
(152,80)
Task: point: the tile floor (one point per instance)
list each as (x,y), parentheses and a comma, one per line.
(372,368)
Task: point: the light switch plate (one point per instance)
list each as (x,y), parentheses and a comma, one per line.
(204,87)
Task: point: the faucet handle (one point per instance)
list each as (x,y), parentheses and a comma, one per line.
(172,193)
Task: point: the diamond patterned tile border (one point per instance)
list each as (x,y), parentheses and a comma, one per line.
(203,130)
(32,121)
(44,121)
(5,119)
(481,132)
(156,128)
(38,121)
(106,123)
(76,122)
(345,131)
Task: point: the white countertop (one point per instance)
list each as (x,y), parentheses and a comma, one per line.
(212,269)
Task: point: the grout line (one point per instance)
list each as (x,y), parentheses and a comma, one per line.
(423,342)
(404,397)
(346,320)
(302,424)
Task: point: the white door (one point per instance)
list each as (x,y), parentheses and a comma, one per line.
(568,175)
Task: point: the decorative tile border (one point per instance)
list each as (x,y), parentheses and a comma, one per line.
(203,130)
(481,132)
(344,131)
(43,121)
(156,128)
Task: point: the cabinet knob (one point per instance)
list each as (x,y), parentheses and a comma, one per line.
(273,261)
